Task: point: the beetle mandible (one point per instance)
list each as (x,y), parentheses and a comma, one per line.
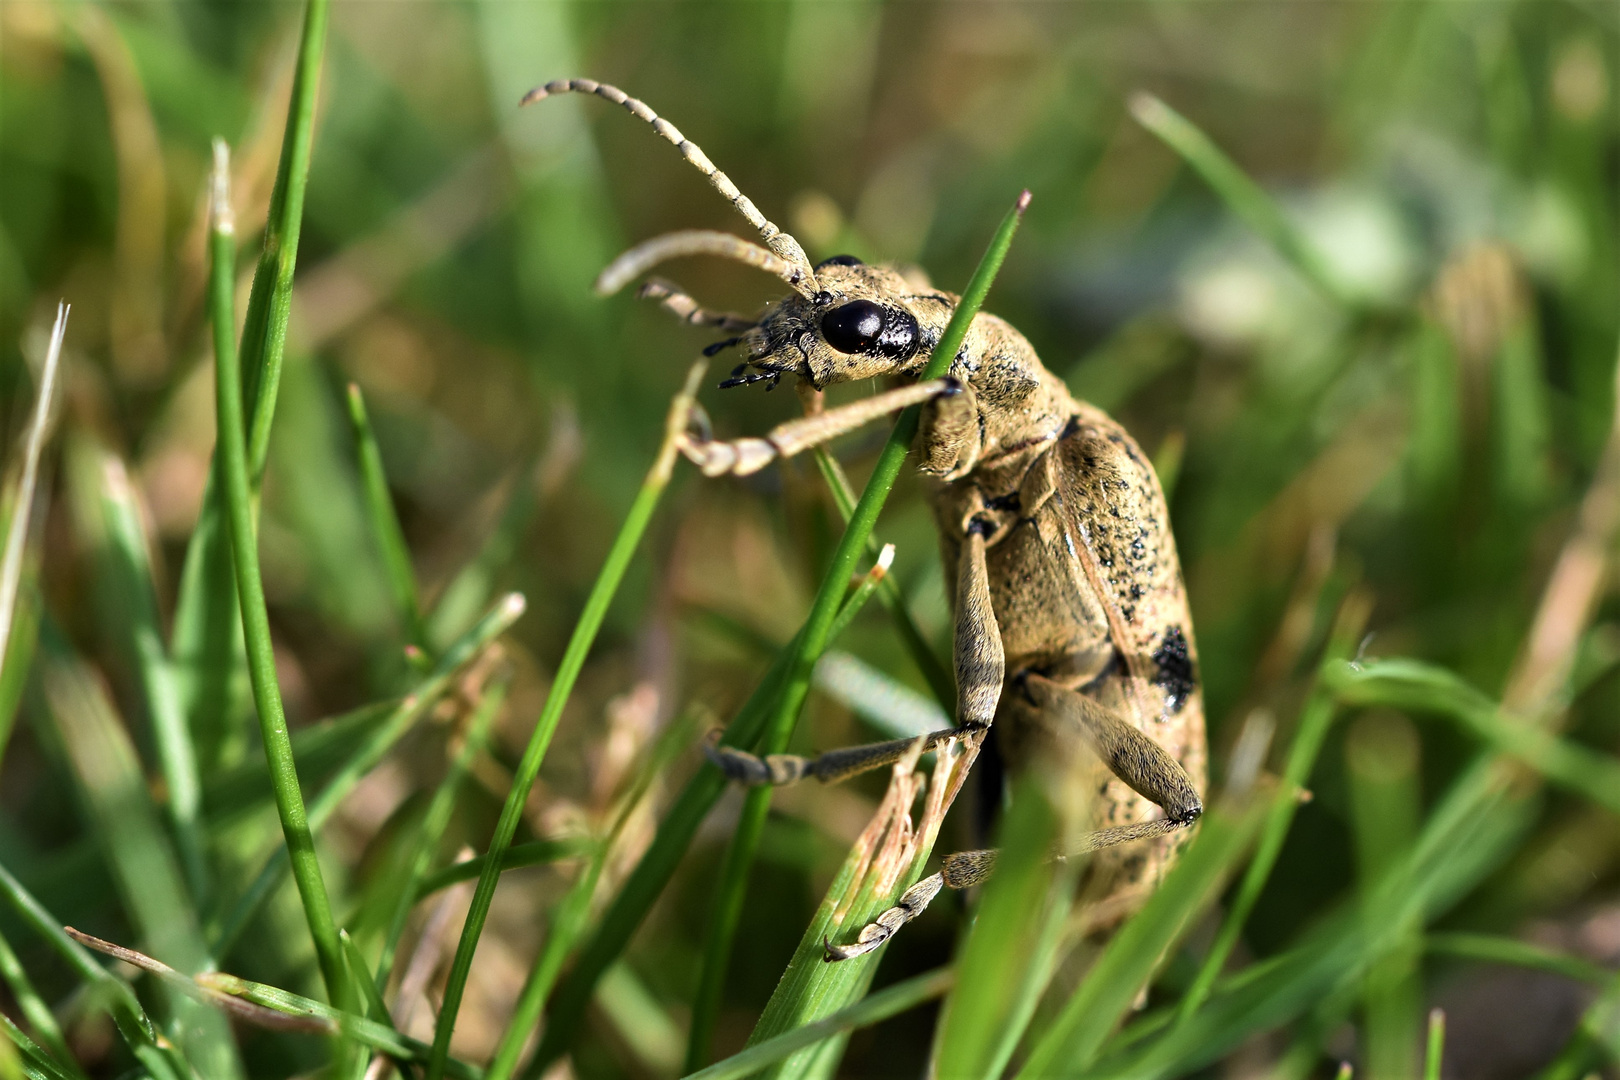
(1071,619)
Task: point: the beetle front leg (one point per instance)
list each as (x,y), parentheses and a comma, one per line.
(743,456)
(980,671)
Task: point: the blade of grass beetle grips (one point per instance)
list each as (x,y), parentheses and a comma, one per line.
(206,642)
(817,631)
(569,920)
(1312,729)
(232,456)
(1241,194)
(33,1007)
(787,680)
(399,721)
(385,526)
(126,824)
(568,669)
(725,913)
(889,1001)
(940,681)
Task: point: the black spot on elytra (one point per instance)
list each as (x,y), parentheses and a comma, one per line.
(1176,673)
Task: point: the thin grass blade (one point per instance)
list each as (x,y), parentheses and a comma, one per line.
(568,669)
(385,526)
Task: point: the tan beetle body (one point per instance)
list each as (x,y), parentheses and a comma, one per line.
(1072,627)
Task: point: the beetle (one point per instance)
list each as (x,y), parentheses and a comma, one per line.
(1072,626)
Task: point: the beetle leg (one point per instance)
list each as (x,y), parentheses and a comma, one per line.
(1130,754)
(744,456)
(980,671)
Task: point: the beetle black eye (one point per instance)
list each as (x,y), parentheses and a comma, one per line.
(854,327)
(840,260)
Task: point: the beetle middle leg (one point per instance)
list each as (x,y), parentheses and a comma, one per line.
(980,672)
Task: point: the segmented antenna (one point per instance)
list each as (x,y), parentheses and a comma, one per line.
(649,253)
(680,303)
(783,244)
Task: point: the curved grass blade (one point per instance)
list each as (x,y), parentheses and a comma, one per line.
(889,1001)
(818,626)
(400,720)
(206,644)
(1242,195)
(232,455)
(33,1007)
(573,660)
(14,662)
(126,825)
(385,522)
(1314,719)
(130,1019)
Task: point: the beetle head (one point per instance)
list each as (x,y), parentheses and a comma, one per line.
(861,322)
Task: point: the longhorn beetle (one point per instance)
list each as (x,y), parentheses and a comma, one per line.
(1072,627)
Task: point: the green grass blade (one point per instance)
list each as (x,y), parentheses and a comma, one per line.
(400,720)
(1012,948)
(819,626)
(1493,949)
(33,1007)
(1424,688)
(1436,1045)
(126,825)
(568,669)
(929,665)
(415,883)
(19,610)
(1242,195)
(533,853)
(207,627)
(871,1009)
(570,917)
(1314,719)
(21,1056)
(1075,1037)
(726,911)
(123,539)
(385,522)
(11,564)
(651,874)
(131,1020)
(233,457)
(1381,756)
(675,833)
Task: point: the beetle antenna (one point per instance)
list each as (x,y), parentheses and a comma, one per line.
(675,245)
(782,243)
(680,303)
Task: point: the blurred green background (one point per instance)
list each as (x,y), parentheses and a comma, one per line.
(1417,426)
